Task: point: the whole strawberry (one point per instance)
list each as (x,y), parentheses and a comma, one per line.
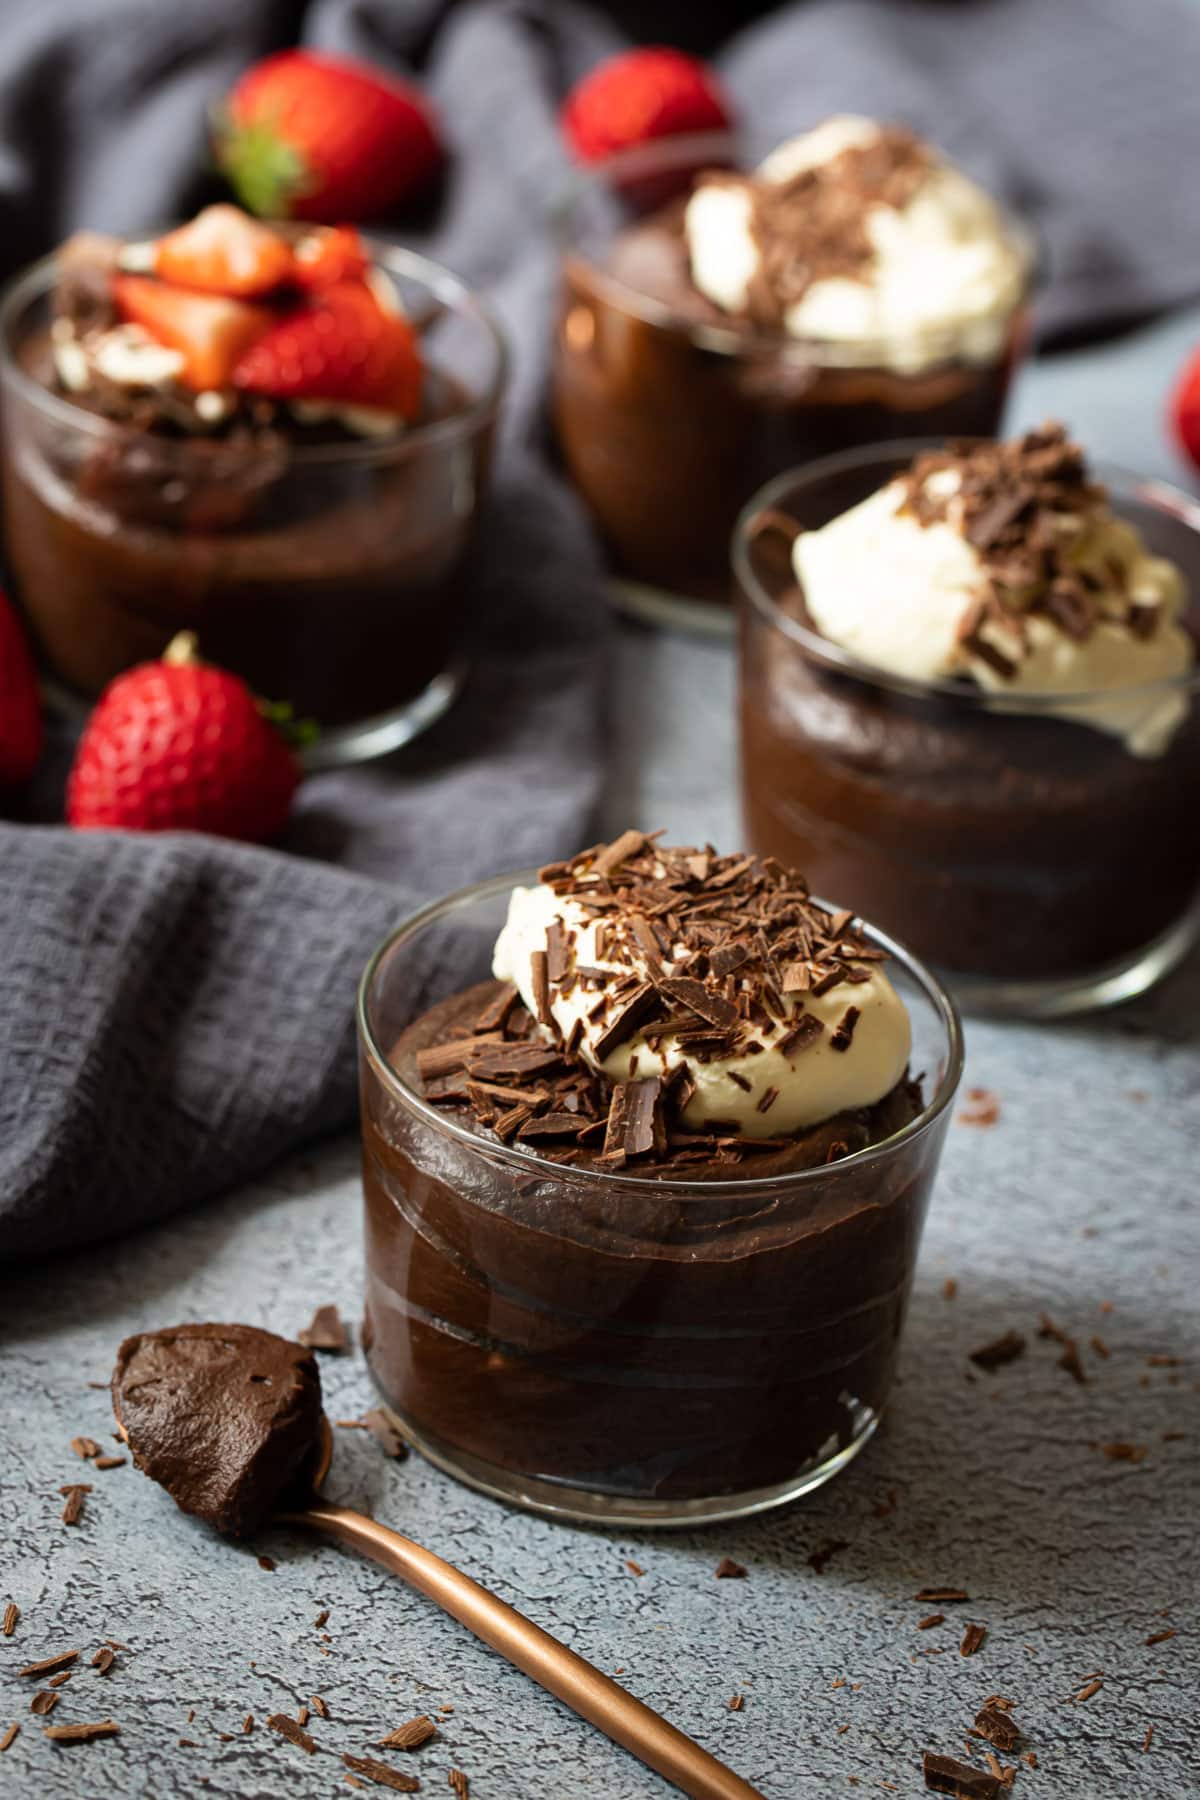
(178,745)
(640,95)
(20,707)
(1185,408)
(307,136)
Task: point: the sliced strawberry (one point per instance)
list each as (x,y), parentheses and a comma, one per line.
(224,251)
(341,346)
(212,332)
(328,255)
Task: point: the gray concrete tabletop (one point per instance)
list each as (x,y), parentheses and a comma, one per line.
(1077,1203)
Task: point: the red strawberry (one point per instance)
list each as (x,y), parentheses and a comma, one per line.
(211,332)
(342,346)
(20,708)
(640,95)
(179,746)
(330,254)
(1185,408)
(224,251)
(306,136)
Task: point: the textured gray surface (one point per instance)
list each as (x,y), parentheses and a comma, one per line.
(1079,1202)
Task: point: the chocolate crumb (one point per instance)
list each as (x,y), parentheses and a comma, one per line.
(85,1447)
(820,1557)
(458,1781)
(81,1734)
(736,1702)
(247,1724)
(319,1707)
(949,1288)
(844,1030)
(410,1736)
(57,1681)
(637,1569)
(104,1659)
(12,1615)
(321,1620)
(76,1492)
(288,1728)
(1001,1350)
(983,1110)
(944,1595)
(326,1332)
(946,1775)
(1145,1740)
(1069,1360)
(109,1462)
(302,1715)
(49,1665)
(385,1435)
(728,1570)
(268,1563)
(972,1640)
(44,1701)
(380,1773)
(1088,1689)
(1122,1452)
(930,1621)
(7,1736)
(1160,1637)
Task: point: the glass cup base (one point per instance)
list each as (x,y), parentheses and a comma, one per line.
(362,740)
(672,612)
(1061,997)
(585,1506)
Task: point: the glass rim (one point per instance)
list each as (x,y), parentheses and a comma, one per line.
(449,289)
(694,149)
(530,1162)
(1161,495)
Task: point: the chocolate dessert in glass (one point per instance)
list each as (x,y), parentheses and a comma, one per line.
(852,288)
(275,437)
(648,1140)
(970,697)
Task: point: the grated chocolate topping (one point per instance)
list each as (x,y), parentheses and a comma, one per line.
(1028,507)
(813,225)
(700,947)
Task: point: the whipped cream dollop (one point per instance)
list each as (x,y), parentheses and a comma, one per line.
(1006,564)
(859,234)
(772,1063)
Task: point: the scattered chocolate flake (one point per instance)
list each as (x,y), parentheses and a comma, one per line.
(103,1386)
(949,1288)
(801,1034)
(930,1620)
(735,1703)
(12,1616)
(43,1702)
(1122,1452)
(611,856)
(247,1724)
(49,1665)
(945,1775)
(994,1723)
(326,1332)
(410,1736)
(85,1447)
(984,1108)
(1159,1361)
(268,1563)
(1145,1740)
(728,1570)
(844,1030)
(76,1492)
(381,1774)
(56,1681)
(458,1781)
(942,1595)
(1087,1690)
(1100,1347)
(539,972)
(972,1640)
(637,1569)
(81,1734)
(1160,1637)
(109,1462)
(302,1715)
(322,1619)
(7,1736)
(104,1659)
(385,1435)
(819,1558)
(1069,1360)
(495,1014)
(1001,1350)
(288,1728)
(319,1707)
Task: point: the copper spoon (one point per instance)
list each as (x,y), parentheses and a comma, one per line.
(601,1701)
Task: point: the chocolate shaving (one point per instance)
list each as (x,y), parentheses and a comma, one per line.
(411,1735)
(495,1014)
(7,1736)
(12,1615)
(930,1621)
(1001,1350)
(641,1007)
(944,1595)
(539,978)
(728,1570)
(801,1034)
(81,1734)
(972,1639)
(945,1775)
(76,1493)
(85,1447)
(110,1462)
(49,1665)
(381,1774)
(385,1435)
(104,1659)
(993,1723)
(326,1331)
(295,1734)
(458,1781)
(43,1702)
(819,1558)
(843,1032)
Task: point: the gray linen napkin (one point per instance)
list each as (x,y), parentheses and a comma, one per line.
(176,1013)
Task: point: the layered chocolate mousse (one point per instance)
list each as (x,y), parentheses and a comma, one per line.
(968,697)
(236,429)
(854,288)
(225,1417)
(619,1234)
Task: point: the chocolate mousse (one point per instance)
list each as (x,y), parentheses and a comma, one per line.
(853,289)
(225,1417)
(968,697)
(236,430)
(626,1246)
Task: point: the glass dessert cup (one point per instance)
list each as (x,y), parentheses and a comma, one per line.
(668,423)
(618,1349)
(1032,858)
(331,576)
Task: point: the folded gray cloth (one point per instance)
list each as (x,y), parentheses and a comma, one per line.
(175,1013)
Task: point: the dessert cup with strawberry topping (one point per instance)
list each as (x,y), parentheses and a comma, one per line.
(275,436)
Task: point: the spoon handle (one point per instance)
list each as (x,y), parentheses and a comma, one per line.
(601,1701)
